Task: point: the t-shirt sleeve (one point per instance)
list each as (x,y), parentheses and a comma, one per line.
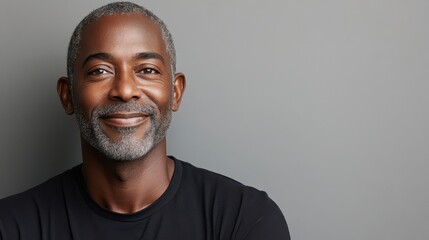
(269,227)
(8,224)
(268,222)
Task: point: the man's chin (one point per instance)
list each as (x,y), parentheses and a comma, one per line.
(117,134)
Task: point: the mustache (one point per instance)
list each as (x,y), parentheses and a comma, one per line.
(124,107)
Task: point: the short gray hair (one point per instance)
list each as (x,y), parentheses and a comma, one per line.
(118,8)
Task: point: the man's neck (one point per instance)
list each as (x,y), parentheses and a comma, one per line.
(130,186)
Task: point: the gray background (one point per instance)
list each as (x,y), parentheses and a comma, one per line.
(323,104)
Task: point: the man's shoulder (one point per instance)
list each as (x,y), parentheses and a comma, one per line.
(35,198)
(25,215)
(225,191)
(235,202)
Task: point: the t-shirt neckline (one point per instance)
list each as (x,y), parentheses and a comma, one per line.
(169,193)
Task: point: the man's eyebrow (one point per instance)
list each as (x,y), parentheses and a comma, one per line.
(100,55)
(149,55)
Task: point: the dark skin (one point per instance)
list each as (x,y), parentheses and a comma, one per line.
(123,58)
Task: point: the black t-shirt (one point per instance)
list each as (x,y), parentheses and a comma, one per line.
(198,204)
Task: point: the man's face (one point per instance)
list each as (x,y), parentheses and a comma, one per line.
(122,86)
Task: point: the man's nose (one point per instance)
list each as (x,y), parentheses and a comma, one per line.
(125,87)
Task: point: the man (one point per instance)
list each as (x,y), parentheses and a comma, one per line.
(122,86)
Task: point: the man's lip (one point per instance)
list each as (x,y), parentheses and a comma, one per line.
(122,120)
(124,115)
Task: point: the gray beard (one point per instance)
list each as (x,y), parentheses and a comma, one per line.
(127,147)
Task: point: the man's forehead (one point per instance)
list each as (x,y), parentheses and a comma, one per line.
(120,30)
(128,20)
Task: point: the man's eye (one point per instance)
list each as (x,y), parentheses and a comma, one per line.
(98,71)
(149,71)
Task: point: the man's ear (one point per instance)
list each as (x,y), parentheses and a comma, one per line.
(179,85)
(64,92)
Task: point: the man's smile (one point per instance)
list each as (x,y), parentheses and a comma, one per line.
(124,119)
